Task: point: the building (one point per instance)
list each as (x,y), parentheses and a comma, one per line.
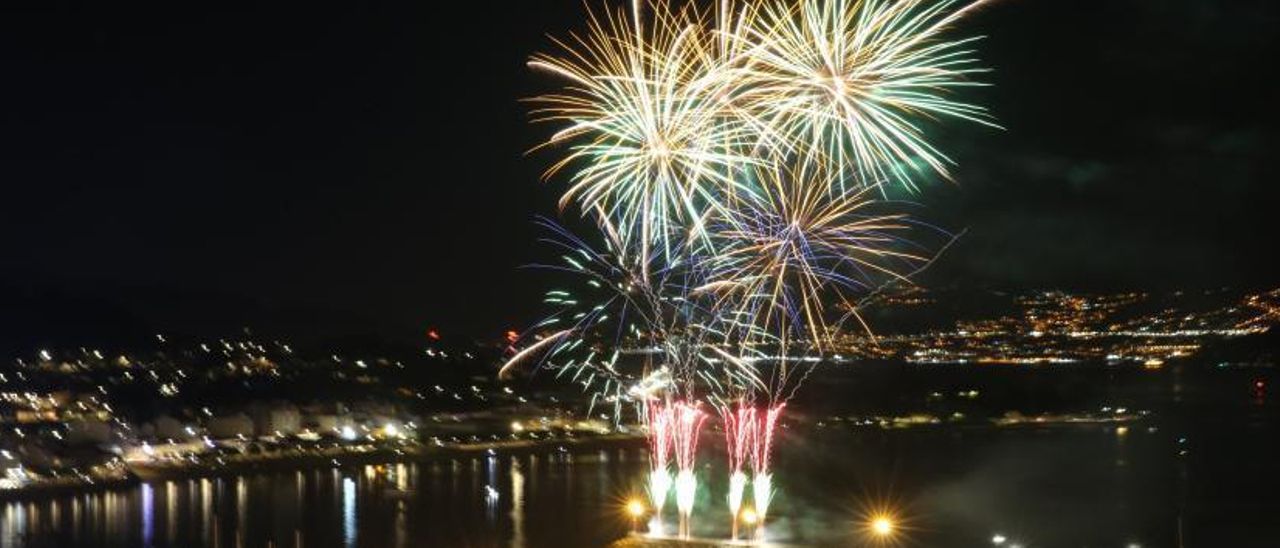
(281,419)
(230,426)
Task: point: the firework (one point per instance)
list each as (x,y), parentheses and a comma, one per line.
(792,246)
(650,149)
(851,81)
(532,349)
(661,431)
(739,425)
(688,421)
(608,309)
(762,449)
(733,160)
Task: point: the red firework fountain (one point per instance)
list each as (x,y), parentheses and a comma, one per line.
(762,445)
(739,426)
(688,420)
(661,436)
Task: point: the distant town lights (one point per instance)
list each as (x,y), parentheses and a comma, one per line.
(348,433)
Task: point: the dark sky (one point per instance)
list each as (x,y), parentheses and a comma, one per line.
(176,167)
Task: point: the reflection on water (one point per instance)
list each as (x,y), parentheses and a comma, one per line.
(15,519)
(482,501)
(148,513)
(349,512)
(491,493)
(517,504)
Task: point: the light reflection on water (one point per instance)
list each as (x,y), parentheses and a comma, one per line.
(517,504)
(148,514)
(1082,485)
(349,512)
(398,504)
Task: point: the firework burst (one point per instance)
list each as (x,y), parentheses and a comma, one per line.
(851,81)
(651,151)
(793,246)
(735,159)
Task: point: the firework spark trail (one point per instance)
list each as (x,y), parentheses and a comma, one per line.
(739,426)
(532,349)
(762,448)
(688,420)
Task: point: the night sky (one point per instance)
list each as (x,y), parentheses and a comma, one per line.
(365,169)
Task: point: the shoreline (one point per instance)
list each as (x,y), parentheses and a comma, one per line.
(144,473)
(147,473)
(139,473)
(39,492)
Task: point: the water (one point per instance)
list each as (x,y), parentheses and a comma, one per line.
(1079,486)
(542,500)
(1200,473)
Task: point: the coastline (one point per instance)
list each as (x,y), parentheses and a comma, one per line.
(143,473)
(41,492)
(380,456)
